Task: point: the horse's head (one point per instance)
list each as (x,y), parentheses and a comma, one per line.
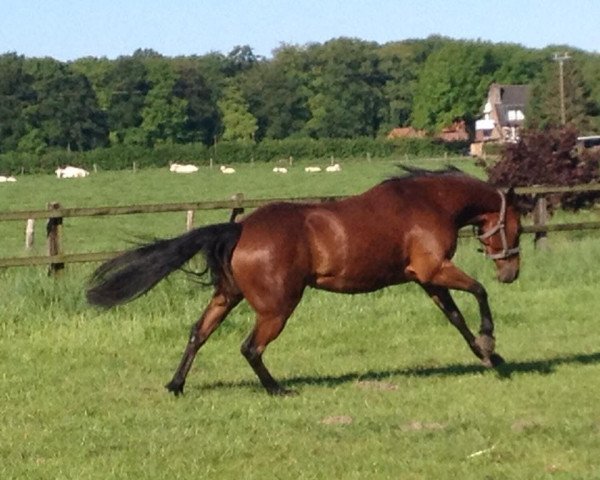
(499,232)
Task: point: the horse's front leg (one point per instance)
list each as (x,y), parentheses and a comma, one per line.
(448,276)
(481,345)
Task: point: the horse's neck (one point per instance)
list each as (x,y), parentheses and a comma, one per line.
(462,199)
(475,202)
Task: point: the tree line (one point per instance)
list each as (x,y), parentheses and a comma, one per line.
(343,88)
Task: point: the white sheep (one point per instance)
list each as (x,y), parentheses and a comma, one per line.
(71,172)
(312,169)
(4,179)
(177,168)
(280,170)
(227,170)
(334,168)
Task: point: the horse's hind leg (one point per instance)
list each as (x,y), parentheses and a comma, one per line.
(267,329)
(216,311)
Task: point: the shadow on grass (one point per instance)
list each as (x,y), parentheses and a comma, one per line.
(506,371)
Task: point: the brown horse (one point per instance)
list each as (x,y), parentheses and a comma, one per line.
(403,230)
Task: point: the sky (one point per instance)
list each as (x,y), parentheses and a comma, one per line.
(71,29)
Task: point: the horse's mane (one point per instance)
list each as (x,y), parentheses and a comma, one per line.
(416,172)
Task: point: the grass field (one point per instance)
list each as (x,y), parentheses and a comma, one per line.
(387,389)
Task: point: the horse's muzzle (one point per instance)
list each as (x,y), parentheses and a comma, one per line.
(508,271)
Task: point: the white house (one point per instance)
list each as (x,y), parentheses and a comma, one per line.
(503,113)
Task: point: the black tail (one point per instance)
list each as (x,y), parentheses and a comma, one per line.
(135,272)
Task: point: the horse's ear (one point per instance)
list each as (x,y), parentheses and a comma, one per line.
(515,200)
(510,195)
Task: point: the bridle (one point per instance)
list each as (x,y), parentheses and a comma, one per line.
(500,228)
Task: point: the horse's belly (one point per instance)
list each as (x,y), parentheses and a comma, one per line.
(367,282)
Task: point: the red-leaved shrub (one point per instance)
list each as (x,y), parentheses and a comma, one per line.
(549,157)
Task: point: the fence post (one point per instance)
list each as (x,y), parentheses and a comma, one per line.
(189,220)
(53,229)
(540,218)
(29,233)
(237,210)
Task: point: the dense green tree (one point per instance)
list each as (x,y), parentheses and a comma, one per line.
(452,84)
(345,87)
(590,70)
(545,104)
(96,70)
(399,64)
(164,114)
(16,94)
(66,112)
(202,114)
(238,122)
(517,65)
(239,59)
(277,93)
(128,85)
(214,67)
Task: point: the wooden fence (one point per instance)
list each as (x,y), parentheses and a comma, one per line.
(55,215)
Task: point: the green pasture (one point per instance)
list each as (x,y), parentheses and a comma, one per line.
(386,387)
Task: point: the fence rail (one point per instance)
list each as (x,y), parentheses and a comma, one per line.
(546,190)
(155,208)
(236,204)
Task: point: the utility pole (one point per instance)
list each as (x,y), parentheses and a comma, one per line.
(561,60)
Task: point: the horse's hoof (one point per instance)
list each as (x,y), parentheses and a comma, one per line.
(486,345)
(496,360)
(493,361)
(175,388)
(487,362)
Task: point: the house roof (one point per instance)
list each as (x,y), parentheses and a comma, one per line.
(406,132)
(516,95)
(513,99)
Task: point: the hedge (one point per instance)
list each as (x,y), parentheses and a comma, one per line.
(121,157)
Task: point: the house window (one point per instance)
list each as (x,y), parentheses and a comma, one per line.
(515,116)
